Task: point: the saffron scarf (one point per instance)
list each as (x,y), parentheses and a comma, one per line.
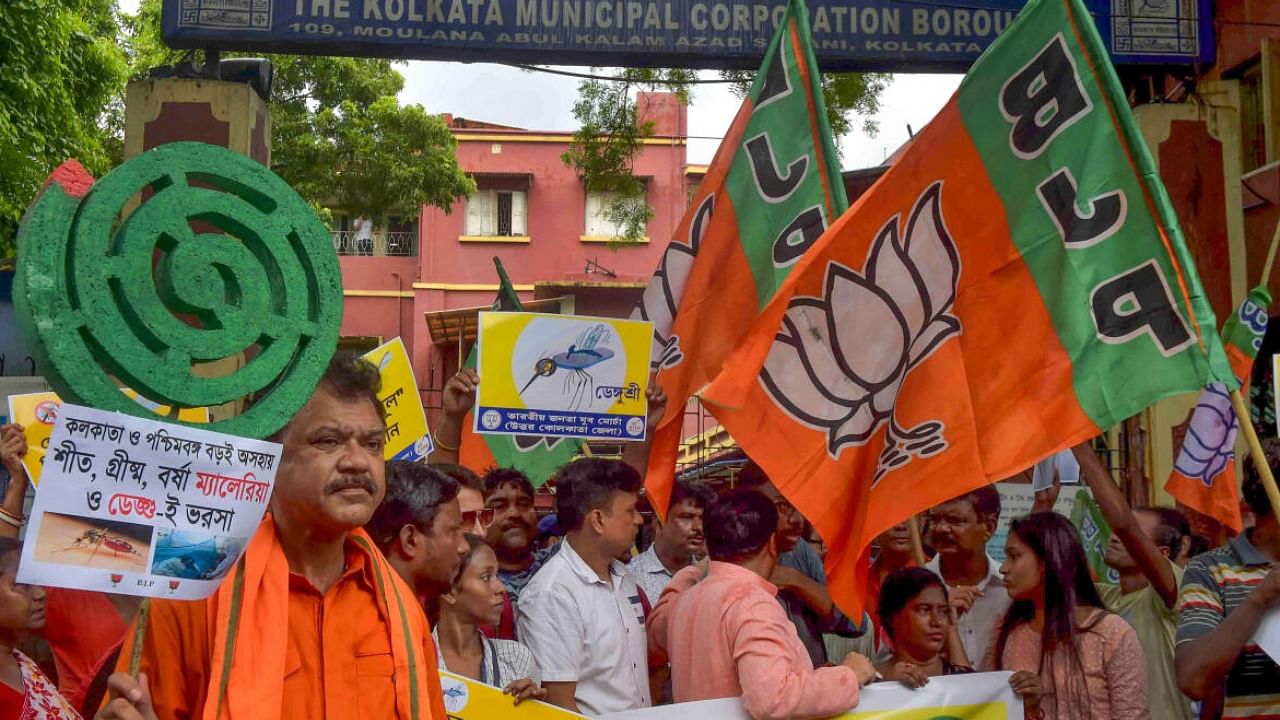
(248,614)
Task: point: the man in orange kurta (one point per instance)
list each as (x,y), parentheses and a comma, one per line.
(313,622)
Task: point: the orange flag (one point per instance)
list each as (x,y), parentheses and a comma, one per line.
(772,189)
(1014,285)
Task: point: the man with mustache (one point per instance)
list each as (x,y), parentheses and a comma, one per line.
(419,528)
(508,494)
(678,541)
(313,622)
(959,530)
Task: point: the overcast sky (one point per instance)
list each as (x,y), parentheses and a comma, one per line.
(539,101)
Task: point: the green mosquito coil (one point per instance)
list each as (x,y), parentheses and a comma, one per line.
(185,255)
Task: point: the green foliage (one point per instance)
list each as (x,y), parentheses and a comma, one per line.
(608,139)
(339,135)
(847,96)
(60,67)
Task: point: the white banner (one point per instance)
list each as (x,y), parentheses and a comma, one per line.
(980,696)
(142,507)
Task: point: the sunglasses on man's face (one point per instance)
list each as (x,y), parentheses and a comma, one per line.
(485,516)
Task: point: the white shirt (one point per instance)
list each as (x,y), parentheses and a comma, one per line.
(650,574)
(584,630)
(978,627)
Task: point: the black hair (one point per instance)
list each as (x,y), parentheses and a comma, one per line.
(1199,546)
(739,525)
(1254,492)
(1067,586)
(495,478)
(350,377)
(1171,529)
(902,586)
(461,475)
(590,484)
(750,477)
(474,543)
(701,495)
(985,501)
(415,493)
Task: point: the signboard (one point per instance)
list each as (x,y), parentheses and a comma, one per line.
(467,699)
(849,35)
(408,437)
(142,507)
(980,696)
(562,376)
(36,412)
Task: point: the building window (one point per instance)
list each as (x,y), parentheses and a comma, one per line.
(497,213)
(597,221)
(1253,125)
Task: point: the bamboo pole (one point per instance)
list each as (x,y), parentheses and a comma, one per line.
(1255,450)
(139,636)
(1271,257)
(917,546)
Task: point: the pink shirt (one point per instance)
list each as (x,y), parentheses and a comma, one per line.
(727,636)
(1115,674)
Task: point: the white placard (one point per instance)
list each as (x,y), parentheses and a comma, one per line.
(1267,636)
(978,696)
(142,507)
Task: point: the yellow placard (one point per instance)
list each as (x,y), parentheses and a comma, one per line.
(563,376)
(37,412)
(467,699)
(408,437)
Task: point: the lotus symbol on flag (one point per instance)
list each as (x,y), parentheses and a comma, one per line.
(1210,441)
(839,361)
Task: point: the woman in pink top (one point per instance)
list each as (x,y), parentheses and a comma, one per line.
(1071,658)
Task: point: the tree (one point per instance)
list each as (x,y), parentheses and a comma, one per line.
(608,137)
(340,136)
(62,66)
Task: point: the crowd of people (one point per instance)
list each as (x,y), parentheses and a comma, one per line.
(366,579)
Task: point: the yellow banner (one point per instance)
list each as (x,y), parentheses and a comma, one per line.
(563,376)
(37,411)
(467,699)
(408,437)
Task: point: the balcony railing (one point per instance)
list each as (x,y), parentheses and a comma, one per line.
(383,243)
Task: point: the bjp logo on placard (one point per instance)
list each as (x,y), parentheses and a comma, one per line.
(840,360)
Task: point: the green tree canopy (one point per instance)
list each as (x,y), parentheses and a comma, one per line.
(340,136)
(609,137)
(61,66)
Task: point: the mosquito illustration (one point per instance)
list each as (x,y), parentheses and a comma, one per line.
(581,355)
(98,538)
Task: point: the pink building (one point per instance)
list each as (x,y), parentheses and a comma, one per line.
(534,214)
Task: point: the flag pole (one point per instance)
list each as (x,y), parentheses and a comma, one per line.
(139,636)
(1271,256)
(1255,448)
(917,547)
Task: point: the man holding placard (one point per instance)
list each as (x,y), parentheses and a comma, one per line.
(314,622)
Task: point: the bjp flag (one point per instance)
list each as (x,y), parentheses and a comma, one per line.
(1016,284)
(1204,474)
(772,189)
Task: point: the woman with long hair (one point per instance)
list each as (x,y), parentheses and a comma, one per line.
(1070,657)
(476,599)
